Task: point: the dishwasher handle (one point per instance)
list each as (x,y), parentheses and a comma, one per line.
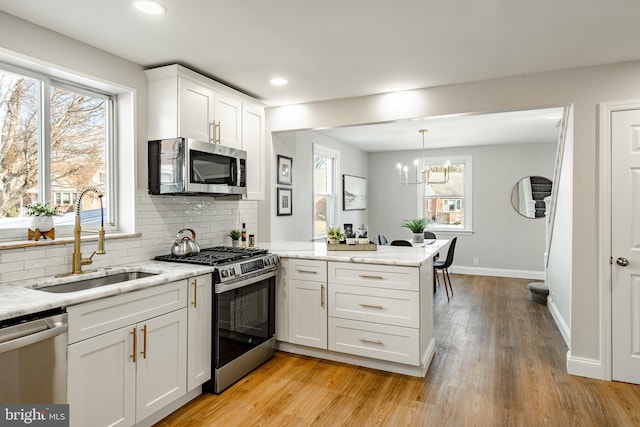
(57,329)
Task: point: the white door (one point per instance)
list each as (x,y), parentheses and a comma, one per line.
(625,244)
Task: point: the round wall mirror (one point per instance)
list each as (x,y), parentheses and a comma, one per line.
(527,196)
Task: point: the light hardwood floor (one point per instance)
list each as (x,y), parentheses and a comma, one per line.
(500,360)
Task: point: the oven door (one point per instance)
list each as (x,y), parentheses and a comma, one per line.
(244,316)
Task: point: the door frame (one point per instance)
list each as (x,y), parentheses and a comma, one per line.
(604,230)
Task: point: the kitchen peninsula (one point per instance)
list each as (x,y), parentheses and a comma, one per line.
(367,308)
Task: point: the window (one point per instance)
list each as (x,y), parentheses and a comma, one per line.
(55,139)
(324,188)
(448,205)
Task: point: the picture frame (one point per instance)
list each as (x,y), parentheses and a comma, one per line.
(354,193)
(285,165)
(285,202)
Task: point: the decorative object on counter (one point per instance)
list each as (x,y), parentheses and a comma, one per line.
(417,227)
(363,234)
(41,221)
(354,193)
(235,237)
(244,234)
(285,202)
(252,240)
(335,234)
(184,245)
(369,246)
(285,165)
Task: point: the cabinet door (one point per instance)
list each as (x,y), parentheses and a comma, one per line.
(102,380)
(228,115)
(162,362)
(253,143)
(196,110)
(199,334)
(308,313)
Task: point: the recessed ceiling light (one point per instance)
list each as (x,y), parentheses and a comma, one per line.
(150,7)
(399,88)
(279,81)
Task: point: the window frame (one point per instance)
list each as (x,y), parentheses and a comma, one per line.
(467,198)
(46,81)
(335,155)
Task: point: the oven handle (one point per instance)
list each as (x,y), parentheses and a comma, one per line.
(224,287)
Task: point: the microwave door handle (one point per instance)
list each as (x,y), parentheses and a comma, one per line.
(234,172)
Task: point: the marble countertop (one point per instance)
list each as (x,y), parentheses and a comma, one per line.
(387,255)
(18,299)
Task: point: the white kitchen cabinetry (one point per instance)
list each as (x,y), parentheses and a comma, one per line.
(183,103)
(199,331)
(253,134)
(127,355)
(308,303)
(374,311)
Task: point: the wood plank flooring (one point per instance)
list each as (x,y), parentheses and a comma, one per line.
(500,361)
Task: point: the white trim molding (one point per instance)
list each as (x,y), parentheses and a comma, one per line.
(560,323)
(498,272)
(584,367)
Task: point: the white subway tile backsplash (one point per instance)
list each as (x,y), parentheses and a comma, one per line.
(159,219)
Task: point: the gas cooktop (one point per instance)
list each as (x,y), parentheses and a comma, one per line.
(215,255)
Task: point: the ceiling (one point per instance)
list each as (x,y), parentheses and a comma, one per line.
(337,49)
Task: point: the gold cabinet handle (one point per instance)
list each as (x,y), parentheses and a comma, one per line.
(307,271)
(218,135)
(212,132)
(321,295)
(144,342)
(364,304)
(195,293)
(135,339)
(371,341)
(367,276)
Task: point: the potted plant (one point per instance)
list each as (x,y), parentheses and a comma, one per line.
(335,234)
(235,237)
(41,216)
(417,227)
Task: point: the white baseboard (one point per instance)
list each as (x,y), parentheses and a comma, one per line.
(560,323)
(585,367)
(498,272)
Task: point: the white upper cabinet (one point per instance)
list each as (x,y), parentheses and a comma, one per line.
(183,103)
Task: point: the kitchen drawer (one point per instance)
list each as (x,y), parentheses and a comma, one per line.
(390,343)
(378,276)
(307,269)
(107,314)
(391,307)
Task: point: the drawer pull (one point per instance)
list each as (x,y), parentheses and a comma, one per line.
(368,276)
(144,342)
(371,341)
(364,304)
(307,271)
(195,293)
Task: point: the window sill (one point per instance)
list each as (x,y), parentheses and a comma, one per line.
(439,231)
(17,244)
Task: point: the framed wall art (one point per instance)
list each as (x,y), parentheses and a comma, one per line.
(354,193)
(285,201)
(284,170)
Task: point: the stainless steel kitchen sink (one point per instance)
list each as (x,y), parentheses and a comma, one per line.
(84,284)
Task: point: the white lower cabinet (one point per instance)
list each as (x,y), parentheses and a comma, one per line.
(308,313)
(199,331)
(121,376)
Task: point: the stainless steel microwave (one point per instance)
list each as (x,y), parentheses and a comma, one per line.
(190,167)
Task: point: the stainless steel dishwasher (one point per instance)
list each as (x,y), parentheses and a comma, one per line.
(33,359)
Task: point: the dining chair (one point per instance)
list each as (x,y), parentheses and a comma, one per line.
(444,267)
(382,240)
(400,243)
(429,235)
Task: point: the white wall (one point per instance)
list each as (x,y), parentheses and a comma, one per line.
(299,146)
(584,87)
(504,242)
(157,218)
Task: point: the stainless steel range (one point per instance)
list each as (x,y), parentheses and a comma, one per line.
(244,309)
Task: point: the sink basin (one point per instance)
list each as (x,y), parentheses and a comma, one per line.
(84,284)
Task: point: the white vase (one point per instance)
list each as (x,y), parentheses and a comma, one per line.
(418,237)
(334,241)
(42,223)
(235,243)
